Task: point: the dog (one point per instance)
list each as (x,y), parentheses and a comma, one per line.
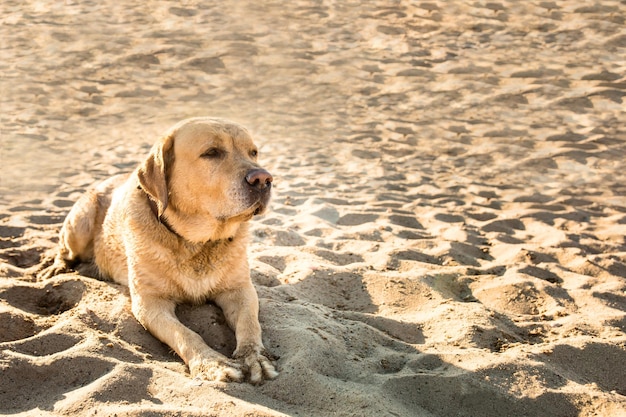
(175,230)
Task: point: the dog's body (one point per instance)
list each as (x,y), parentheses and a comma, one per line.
(175,230)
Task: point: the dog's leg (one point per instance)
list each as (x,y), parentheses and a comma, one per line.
(158,316)
(241,309)
(76,237)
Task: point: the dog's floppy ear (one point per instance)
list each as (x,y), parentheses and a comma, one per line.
(153,172)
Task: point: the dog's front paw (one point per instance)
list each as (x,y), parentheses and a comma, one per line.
(215,369)
(256,362)
(50,268)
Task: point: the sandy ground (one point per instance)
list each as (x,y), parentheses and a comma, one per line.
(447,233)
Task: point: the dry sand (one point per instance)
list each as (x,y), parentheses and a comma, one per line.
(447,234)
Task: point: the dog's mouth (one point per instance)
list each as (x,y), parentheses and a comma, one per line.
(260,209)
(259,206)
(254,210)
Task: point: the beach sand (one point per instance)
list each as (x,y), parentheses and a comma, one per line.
(447,233)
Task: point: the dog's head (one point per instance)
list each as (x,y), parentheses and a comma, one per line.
(204,174)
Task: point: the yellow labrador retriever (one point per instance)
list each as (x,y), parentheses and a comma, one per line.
(175,230)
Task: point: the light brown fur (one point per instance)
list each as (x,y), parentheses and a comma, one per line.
(190,246)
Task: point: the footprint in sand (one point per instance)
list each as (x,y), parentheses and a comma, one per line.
(338,290)
(532,297)
(15,326)
(47,219)
(277,262)
(24,386)
(52,299)
(44,344)
(444,392)
(355,219)
(608,373)
(398,258)
(278,237)
(338,258)
(11,232)
(9,236)
(25,314)
(26,305)
(409,222)
(504,226)
(24,258)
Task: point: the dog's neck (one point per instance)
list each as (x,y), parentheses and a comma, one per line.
(202,228)
(160,219)
(223,234)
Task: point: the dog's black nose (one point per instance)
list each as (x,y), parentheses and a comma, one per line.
(259,179)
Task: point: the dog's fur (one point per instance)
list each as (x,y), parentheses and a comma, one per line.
(175,230)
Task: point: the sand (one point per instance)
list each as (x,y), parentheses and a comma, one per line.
(447,233)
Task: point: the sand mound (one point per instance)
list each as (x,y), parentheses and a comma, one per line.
(447,232)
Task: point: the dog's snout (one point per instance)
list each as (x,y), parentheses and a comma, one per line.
(259,178)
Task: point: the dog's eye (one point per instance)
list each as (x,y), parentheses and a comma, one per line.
(213,153)
(254,153)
